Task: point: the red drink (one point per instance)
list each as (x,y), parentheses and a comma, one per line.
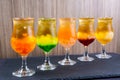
(87,41)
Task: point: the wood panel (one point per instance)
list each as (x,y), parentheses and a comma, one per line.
(57,8)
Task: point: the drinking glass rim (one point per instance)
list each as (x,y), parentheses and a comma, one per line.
(47,19)
(67,18)
(20,19)
(105,18)
(86,18)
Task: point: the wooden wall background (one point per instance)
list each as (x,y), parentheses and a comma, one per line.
(57,8)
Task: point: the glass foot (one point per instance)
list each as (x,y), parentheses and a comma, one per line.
(103,56)
(83,58)
(46,67)
(23,73)
(67,62)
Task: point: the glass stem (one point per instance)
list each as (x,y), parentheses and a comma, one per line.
(86,51)
(47,59)
(67,53)
(24,63)
(103,50)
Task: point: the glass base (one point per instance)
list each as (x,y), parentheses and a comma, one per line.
(103,56)
(67,62)
(84,58)
(46,67)
(23,73)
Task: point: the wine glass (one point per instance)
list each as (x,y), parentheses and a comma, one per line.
(47,40)
(23,42)
(67,38)
(86,36)
(104,34)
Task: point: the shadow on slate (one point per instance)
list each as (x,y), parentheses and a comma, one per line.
(97,69)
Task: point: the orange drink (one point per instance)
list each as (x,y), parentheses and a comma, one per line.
(23,46)
(67,32)
(67,37)
(23,42)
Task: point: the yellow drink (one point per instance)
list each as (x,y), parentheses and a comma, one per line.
(104,32)
(104,37)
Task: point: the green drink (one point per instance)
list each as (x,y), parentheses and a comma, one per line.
(47,40)
(46,43)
